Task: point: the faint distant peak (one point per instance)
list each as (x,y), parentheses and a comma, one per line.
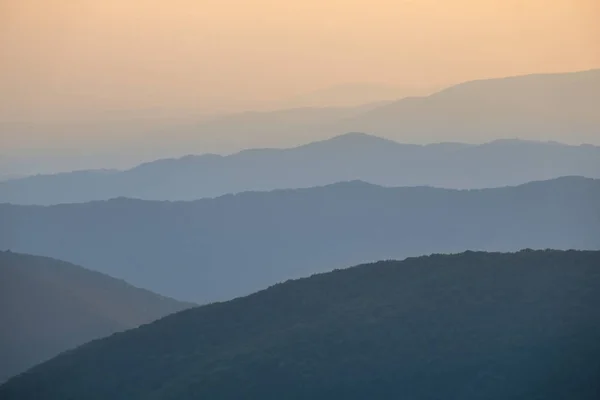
(189,159)
(537,80)
(354,183)
(359,138)
(356,136)
(521,142)
(354,94)
(566,182)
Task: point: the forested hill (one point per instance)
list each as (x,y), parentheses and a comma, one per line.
(474,325)
(48,306)
(218,249)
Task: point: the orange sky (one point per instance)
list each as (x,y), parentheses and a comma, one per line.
(71,58)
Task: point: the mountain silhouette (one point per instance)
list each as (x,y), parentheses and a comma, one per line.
(48,306)
(540,106)
(466,326)
(353,156)
(217,249)
(354,94)
(559,107)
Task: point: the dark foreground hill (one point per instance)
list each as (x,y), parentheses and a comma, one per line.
(217,249)
(470,326)
(48,306)
(353,156)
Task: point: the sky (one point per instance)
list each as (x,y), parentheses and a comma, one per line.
(61,57)
(71,60)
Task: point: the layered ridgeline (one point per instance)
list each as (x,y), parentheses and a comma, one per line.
(536,107)
(216,249)
(560,107)
(49,306)
(469,326)
(353,156)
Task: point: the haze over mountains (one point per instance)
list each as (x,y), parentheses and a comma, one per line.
(559,107)
(474,325)
(48,306)
(217,249)
(353,156)
(351,95)
(193,153)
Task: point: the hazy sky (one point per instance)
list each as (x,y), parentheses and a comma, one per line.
(66,59)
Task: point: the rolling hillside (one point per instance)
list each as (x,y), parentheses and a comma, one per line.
(217,249)
(467,326)
(48,306)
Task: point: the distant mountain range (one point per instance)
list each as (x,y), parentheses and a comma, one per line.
(48,306)
(217,249)
(537,107)
(559,107)
(7,177)
(466,326)
(354,94)
(354,156)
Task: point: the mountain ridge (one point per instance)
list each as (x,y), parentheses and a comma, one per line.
(557,106)
(345,157)
(205,243)
(440,326)
(532,106)
(50,306)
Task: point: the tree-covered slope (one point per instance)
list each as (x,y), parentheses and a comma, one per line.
(218,249)
(48,306)
(467,326)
